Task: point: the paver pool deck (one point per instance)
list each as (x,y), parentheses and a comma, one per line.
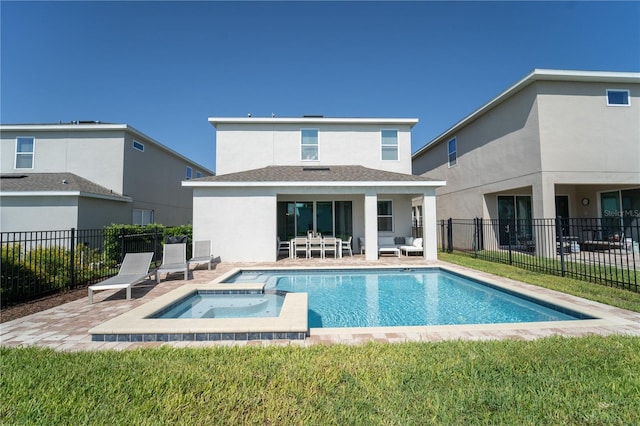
(66,327)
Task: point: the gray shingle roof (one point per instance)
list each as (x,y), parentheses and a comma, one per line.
(314,174)
(31,182)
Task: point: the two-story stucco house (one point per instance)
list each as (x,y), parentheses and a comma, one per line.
(87,175)
(556,143)
(281,177)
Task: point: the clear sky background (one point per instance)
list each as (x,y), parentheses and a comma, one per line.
(165,67)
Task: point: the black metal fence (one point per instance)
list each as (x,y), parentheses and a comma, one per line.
(40,263)
(599,250)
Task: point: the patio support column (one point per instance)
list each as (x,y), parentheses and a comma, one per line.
(371,225)
(543,207)
(429,225)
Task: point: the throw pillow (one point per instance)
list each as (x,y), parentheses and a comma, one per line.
(417,242)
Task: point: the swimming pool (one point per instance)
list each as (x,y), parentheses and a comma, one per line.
(403,297)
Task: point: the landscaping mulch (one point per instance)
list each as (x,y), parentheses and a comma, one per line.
(23,309)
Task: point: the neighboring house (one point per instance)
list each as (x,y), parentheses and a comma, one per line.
(88,175)
(281,177)
(556,143)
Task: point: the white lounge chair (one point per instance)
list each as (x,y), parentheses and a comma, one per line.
(201,254)
(174,259)
(133,270)
(416,247)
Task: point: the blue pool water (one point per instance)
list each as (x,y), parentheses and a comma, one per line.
(209,305)
(402,297)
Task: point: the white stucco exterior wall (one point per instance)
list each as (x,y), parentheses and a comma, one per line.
(246,144)
(240,222)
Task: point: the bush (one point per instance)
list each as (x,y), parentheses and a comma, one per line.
(43,270)
(17,277)
(140,238)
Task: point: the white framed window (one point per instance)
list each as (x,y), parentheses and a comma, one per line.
(309,144)
(389,144)
(452,152)
(189,173)
(138,145)
(617,97)
(142,217)
(198,174)
(385,216)
(25,149)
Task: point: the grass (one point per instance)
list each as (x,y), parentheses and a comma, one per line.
(620,275)
(593,380)
(620,298)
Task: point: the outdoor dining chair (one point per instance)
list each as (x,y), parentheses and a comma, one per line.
(300,245)
(330,245)
(315,244)
(346,246)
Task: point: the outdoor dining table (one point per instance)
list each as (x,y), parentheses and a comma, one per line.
(292,246)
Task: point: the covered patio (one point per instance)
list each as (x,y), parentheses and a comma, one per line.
(245,213)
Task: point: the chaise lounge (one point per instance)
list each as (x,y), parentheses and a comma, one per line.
(174,259)
(133,270)
(201,254)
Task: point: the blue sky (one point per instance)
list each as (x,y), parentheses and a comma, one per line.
(165,67)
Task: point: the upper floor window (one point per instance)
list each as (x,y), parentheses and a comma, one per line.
(309,144)
(198,174)
(385,216)
(142,217)
(24,152)
(389,144)
(138,145)
(618,97)
(189,173)
(452,150)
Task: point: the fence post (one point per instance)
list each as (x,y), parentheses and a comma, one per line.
(507,230)
(475,236)
(122,251)
(72,268)
(561,242)
(442,234)
(449,235)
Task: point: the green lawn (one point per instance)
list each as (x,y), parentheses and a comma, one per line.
(600,293)
(552,381)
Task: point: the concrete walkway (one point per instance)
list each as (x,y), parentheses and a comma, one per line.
(66,327)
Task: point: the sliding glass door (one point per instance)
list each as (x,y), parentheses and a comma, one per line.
(514,217)
(620,213)
(330,218)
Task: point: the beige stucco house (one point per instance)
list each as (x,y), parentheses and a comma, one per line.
(87,175)
(556,143)
(280,177)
